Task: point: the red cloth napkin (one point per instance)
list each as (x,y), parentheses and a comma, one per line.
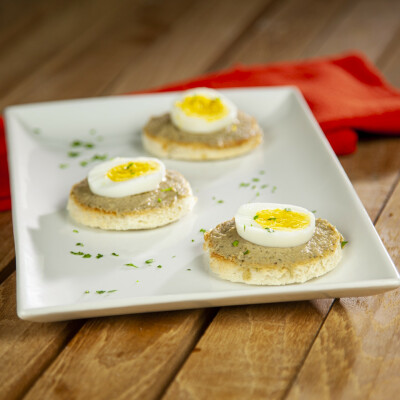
(345,93)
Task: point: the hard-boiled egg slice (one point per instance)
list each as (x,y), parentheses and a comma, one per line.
(203,110)
(123,176)
(275,225)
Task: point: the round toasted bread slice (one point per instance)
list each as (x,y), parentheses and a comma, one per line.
(172,200)
(163,139)
(238,260)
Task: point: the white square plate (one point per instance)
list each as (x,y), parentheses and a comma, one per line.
(299,168)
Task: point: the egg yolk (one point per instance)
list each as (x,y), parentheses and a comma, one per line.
(132,170)
(282,219)
(203,107)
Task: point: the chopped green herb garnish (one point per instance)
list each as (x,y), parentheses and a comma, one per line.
(264,186)
(167,189)
(131,265)
(213,197)
(235,243)
(192,240)
(77,253)
(342,244)
(75,231)
(257,194)
(76,143)
(100,157)
(73,154)
(99,255)
(89,145)
(111,291)
(243,184)
(288,209)
(159,200)
(83,163)
(149,261)
(254,187)
(63,166)
(273,189)
(256,180)
(100,291)
(188,269)
(272,219)
(244,227)
(314,211)
(173,256)
(115,254)
(220,201)
(79,244)
(86,291)
(202,230)
(262,172)
(246,252)
(159,266)
(270,230)
(256,217)
(87,255)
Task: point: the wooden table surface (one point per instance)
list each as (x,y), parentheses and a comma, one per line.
(341,349)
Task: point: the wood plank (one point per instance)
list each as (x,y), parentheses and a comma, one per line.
(357,352)
(17,16)
(26,348)
(49,31)
(7,252)
(373,180)
(193,43)
(373,170)
(368,27)
(284,32)
(127,357)
(390,61)
(235,359)
(87,65)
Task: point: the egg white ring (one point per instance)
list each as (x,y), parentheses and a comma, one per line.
(102,185)
(249,229)
(198,124)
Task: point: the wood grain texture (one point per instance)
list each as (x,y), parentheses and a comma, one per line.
(192,45)
(369,27)
(87,65)
(237,358)
(357,351)
(26,348)
(283,32)
(7,252)
(129,357)
(49,29)
(373,170)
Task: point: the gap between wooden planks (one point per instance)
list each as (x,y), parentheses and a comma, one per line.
(305,303)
